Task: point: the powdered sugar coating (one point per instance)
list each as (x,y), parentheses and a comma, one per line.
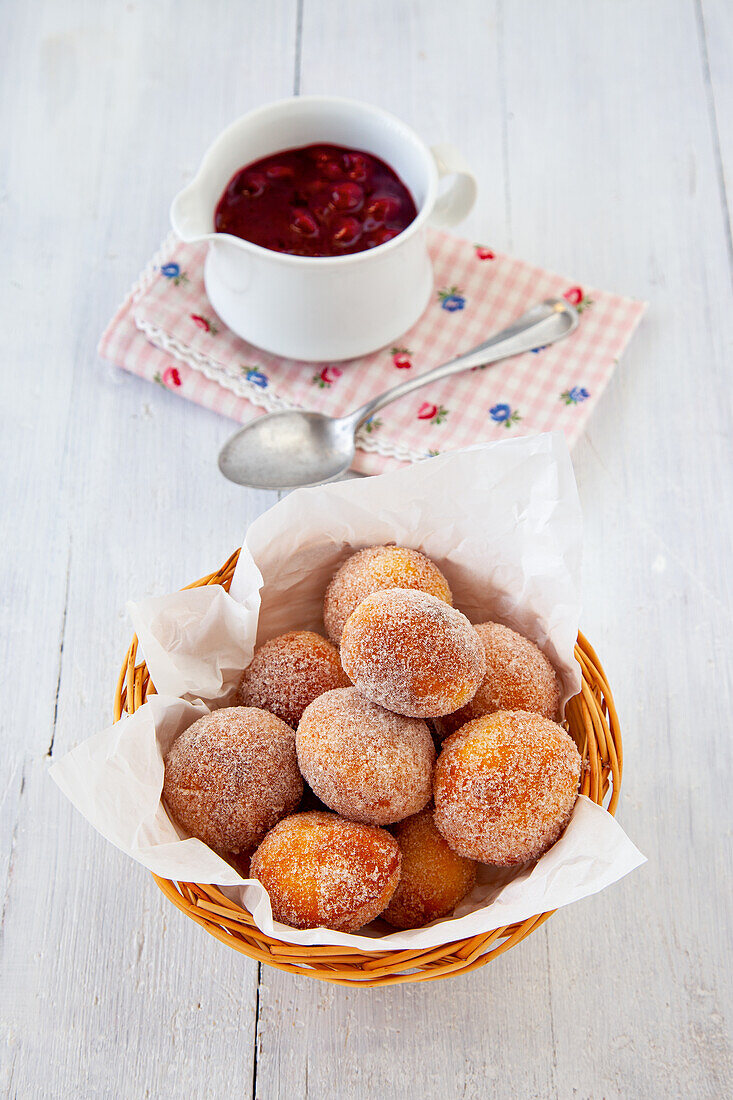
(374,569)
(412,653)
(433,879)
(231,776)
(518,677)
(322,871)
(362,761)
(290,671)
(505,786)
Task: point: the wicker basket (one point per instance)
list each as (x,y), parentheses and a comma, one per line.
(590,718)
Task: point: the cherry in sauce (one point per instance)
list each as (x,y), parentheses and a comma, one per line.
(321,200)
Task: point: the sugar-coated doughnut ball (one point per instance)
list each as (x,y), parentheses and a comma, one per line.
(362,761)
(412,653)
(289,672)
(231,776)
(433,879)
(518,677)
(320,869)
(505,786)
(373,569)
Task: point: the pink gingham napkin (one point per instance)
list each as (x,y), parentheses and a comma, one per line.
(166,331)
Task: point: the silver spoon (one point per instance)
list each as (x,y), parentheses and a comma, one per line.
(285,450)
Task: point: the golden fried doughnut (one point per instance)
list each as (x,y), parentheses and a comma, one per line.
(505,786)
(362,761)
(433,878)
(412,653)
(289,672)
(373,569)
(321,870)
(231,776)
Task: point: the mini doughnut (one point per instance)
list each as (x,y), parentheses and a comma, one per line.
(362,761)
(320,870)
(289,672)
(518,677)
(412,653)
(505,786)
(433,880)
(231,776)
(373,569)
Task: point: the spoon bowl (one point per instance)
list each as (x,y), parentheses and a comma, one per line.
(287,450)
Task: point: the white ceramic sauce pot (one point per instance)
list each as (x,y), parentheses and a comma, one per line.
(322,307)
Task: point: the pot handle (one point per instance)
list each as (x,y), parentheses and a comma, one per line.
(457,202)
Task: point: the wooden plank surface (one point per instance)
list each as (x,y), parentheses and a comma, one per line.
(601,136)
(110,491)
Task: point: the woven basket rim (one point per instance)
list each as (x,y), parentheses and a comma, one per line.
(590,718)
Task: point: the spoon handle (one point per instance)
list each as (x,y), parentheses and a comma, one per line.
(545,323)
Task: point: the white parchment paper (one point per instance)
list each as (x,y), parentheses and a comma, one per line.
(503,523)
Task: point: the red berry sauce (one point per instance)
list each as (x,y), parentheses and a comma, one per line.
(321,200)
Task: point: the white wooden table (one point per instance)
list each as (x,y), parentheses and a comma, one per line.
(602,135)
